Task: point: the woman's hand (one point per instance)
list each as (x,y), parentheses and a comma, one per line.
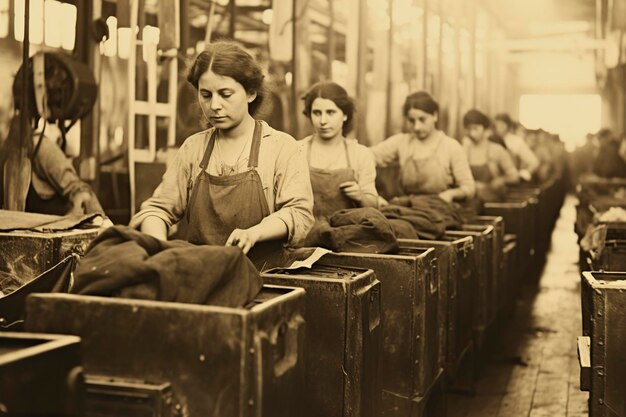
(447,196)
(245,239)
(352,190)
(79,201)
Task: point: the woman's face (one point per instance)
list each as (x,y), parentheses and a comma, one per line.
(327,118)
(501,128)
(223,100)
(421,123)
(476,132)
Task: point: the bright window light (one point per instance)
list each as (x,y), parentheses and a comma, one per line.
(569,115)
(110,45)
(36,21)
(53,13)
(123,42)
(68,29)
(4,18)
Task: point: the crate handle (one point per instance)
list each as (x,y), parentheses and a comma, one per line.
(284,341)
(434,276)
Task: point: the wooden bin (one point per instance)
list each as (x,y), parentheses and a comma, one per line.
(218,361)
(343,338)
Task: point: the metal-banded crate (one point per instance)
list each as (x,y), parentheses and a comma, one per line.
(411,360)
(27,254)
(217,360)
(611,255)
(510,275)
(456,264)
(517,218)
(343,338)
(40,375)
(483,243)
(497,260)
(604,322)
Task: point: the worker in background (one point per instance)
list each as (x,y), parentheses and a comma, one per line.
(492,166)
(430,161)
(538,142)
(239,182)
(343,172)
(609,163)
(525,161)
(582,159)
(55,187)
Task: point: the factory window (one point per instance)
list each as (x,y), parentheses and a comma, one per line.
(568,115)
(59,33)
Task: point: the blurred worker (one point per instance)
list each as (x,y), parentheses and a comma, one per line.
(525,161)
(538,142)
(239,182)
(343,172)
(430,162)
(55,187)
(609,163)
(491,165)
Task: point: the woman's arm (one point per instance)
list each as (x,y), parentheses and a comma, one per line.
(293,194)
(169,201)
(461,173)
(507,166)
(386,151)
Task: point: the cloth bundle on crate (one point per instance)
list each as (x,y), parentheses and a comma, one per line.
(127,263)
(430,216)
(363,230)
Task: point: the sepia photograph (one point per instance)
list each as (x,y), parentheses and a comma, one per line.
(312,208)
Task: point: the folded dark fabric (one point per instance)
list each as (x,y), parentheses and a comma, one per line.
(427,224)
(127,263)
(363,230)
(434,207)
(403,229)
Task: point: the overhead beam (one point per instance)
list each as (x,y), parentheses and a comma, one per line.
(544,45)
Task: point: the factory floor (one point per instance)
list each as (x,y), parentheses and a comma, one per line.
(531,368)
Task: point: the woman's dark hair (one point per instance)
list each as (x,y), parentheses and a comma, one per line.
(229,59)
(337,94)
(421,101)
(476,117)
(504,117)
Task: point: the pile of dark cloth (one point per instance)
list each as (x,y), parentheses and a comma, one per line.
(429,216)
(363,230)
(124,262)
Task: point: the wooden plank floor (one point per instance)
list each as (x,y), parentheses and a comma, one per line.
(533,370)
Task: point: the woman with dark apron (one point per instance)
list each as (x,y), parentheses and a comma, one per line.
(492,166)
(240,182)
(343,172)
(430,161)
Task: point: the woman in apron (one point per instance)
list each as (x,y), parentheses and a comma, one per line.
(492,166)
(430,162)
(239,182)
(343,172)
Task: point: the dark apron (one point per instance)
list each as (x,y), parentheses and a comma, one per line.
(327,196)
(220,204)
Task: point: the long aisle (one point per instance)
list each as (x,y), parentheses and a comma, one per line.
(533,370)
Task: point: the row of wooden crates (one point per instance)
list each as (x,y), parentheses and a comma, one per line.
(355,335)
(603,301)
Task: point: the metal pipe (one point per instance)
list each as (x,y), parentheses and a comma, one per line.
(25,75)
(232,9)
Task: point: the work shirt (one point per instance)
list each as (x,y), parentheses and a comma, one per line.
(495,156)
(282,167)
(361,161)
(452,159)
(523,156)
